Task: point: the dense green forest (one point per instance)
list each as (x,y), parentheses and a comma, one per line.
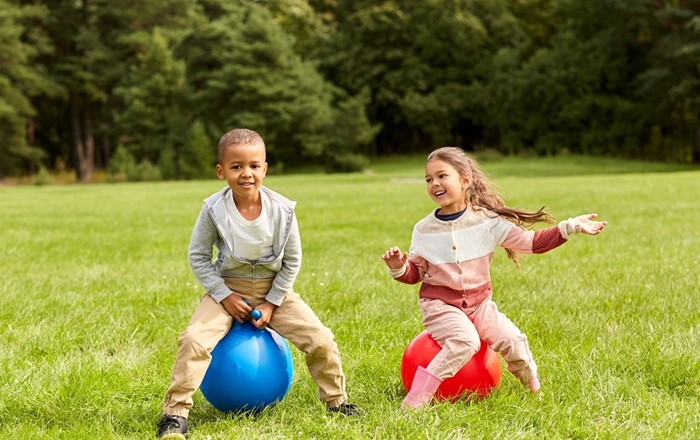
(143,89)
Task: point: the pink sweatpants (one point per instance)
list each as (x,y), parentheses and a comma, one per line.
(459,338)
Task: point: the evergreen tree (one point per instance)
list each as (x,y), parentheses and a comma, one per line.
(150,114)
(254,79)
(94,45)
(21,79)
(670,87)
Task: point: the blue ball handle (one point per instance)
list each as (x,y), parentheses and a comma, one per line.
(256,314)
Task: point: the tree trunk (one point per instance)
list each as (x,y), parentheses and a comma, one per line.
(104,152)
(31,140)
(89,142)
(83,140)
(77,138)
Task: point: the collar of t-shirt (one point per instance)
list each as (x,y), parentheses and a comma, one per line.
(449,217)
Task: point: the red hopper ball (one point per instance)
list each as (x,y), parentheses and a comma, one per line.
(475,380)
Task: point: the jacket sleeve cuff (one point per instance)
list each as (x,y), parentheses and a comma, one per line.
(275,297)
(395,273)
(569,227)
(220,292)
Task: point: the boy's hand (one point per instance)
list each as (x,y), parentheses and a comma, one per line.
(236,306)
(265,310)
(588,226)
(394,259)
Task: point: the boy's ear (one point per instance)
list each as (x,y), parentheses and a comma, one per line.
(220,172)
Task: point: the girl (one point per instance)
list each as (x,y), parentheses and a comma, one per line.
(451,250)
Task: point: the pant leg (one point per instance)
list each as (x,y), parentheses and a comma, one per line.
(454,332)
(208,325)
(503,336)
(295,320)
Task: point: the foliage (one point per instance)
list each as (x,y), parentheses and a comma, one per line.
(328,80)
(151,115)
(124,167)
(200,154)
(21,80)
(671,86)
(256,80)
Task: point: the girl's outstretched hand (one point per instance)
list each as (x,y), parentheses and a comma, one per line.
(588,225)
(394,258)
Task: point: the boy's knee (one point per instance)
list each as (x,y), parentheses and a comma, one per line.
(191,340)
(322,343)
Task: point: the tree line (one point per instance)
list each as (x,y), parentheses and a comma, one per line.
(145,89)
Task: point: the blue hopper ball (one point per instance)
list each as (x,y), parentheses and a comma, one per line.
(250,369)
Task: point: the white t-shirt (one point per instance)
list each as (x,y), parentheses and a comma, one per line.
(252,239)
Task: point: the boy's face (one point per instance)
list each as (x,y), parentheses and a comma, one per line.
(244,168)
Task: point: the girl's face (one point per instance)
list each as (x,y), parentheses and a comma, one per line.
(446,187)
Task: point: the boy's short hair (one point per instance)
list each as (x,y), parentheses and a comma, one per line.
(238,137)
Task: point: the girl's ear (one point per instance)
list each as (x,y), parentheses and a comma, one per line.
(466,181)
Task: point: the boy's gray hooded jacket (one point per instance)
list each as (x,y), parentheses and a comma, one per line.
(210,230)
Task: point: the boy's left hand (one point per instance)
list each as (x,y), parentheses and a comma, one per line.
(265,310)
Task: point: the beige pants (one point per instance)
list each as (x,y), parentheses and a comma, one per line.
(294,320)
(459,338)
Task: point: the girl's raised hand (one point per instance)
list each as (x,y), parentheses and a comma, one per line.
(588,225)
(394,258)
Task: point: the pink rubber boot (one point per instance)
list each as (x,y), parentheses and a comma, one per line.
(422,389)
(528,378)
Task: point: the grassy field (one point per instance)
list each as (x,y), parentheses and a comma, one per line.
(96,289)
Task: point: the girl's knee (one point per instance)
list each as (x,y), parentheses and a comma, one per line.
(463,347)
(509,342)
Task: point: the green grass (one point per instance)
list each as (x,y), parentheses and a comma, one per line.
(96,289)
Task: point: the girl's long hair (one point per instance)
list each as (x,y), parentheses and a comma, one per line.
(481,192)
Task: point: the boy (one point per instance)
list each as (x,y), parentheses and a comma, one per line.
(259,256)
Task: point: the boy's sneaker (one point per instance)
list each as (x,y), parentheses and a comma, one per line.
(346,409)
(172,427)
